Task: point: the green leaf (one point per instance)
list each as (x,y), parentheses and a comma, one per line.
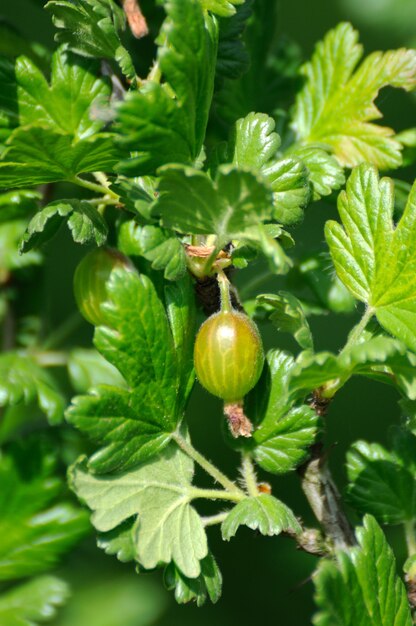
(35,526)
(191,203)
(317,271)
(383,483)
(324,171)
(137,196)
(232,57)
(377,357)
(87,368)
(33,602)
(23,381)
(375,260)
(264,513)
(168,527)
(254,146)
(181,312)
(207,585)
(165,123)
(135,423)
(223,8)
(270,80)
(267,239)
(18,204)
(119,541)
(38,155)
(13,44)
(361,586)
(11,234)
(336,106)
(66,104)
(288,316)
(284,433)
(91,28)
(164,251)
(84,222)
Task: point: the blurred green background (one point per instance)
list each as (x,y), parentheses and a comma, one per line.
(265,579)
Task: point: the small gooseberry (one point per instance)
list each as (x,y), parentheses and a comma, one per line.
(90,279)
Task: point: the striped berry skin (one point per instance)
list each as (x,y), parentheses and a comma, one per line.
(228,355)
(90,280)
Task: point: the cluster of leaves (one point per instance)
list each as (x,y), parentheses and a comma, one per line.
(146,147)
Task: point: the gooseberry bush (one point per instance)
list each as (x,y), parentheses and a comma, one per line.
(176,173)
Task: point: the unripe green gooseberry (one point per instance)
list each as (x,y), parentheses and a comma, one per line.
(228,355)
(90,280)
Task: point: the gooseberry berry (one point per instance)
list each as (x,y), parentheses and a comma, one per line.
(90,279)
(228,358)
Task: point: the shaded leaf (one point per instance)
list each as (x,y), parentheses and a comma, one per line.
(84,221)
(288,316)
(264,513)
(207,585)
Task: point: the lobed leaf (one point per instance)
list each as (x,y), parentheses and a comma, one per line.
(83,220)
(379,357)
(166,123)
(87,368)
(375,260)
(254,146)
(383,482)
(191,203)
(91,28)
(336,106)
(36,155)
(361,587)
(264,513)
(288,316)
(207,585)
(284,433)
(66,104)
(168,527)
(164,250)
(135,423)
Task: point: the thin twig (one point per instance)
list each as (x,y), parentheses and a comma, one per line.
(324,499)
